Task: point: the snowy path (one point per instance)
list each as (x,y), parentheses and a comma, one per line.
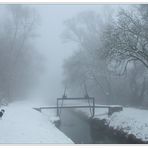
(22,124)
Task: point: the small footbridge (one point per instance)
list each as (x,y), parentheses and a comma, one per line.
(88,100)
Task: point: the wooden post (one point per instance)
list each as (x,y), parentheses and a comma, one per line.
(93,107)
(57,107)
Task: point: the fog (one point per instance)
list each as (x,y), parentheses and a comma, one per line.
(50,42)
(93,48)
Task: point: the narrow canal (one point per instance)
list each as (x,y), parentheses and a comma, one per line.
(81,131)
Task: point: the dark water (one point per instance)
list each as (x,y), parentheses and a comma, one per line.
(82,131)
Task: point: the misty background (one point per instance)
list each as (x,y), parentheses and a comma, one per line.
(55,49)
(45,48)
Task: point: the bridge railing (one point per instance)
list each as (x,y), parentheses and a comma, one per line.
(80,98)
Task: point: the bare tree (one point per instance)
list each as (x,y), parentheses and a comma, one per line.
(88,64)
(126,44)
(126,38)
(18,53)
(110,54)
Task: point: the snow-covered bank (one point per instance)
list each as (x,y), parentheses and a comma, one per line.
(130,121)
(22,124)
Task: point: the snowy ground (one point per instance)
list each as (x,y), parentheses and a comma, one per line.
(130,120)
(23,125)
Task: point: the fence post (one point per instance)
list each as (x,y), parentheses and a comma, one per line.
(93,107)
(57,107)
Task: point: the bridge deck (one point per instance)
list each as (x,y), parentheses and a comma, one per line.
(75,106)
(111,109)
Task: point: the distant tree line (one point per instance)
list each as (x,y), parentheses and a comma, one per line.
(112,55)
(19,61)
